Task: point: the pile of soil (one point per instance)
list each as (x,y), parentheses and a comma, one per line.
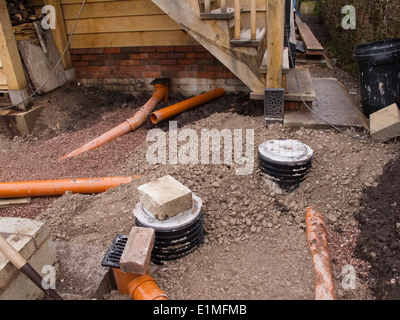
(379,240)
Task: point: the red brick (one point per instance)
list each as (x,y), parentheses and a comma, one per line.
(208,75)
(78,51)
(173,68)
(157,55)
(194,55)
(151,74)
(97,63)
(147,49)
(205,61)
(99,75)
(129,62)
(75,57)
(167,61)
(83,75)
(135,74)
(137,252)
(92,69)
(214,68)
(80,63)
(186,61)
(89,57)
(107,69)
(129,50)
(139,56)
(176,55)
(166,49)
(183,48)
(124,68)
(95,50)
(225,75)
(112,50)
(199,49)
(109,56)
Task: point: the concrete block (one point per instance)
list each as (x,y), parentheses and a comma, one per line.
(22,123)
(385,123)
(70,74)
(32,239)
(20,97)
(137,253)
(165,197)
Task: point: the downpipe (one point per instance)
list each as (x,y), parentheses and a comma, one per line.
(318,244)
(180,107)
(160,94)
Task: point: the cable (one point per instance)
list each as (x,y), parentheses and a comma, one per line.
(55,67)
(369,139)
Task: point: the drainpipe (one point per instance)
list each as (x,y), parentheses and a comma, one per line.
(185,105)
(160,94)
(318,244)
(22,189)
(138,286)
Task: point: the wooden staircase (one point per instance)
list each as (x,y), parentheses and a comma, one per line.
(219,29)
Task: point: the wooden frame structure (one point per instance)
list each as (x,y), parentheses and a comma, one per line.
(236,32)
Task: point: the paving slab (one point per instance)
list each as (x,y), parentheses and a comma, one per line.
(82,275)
(333,103)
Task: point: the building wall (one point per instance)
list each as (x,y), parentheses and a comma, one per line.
(192,69)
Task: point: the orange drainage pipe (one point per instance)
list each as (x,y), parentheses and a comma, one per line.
(131,124)
(178,108)
(138,286)
(41,188)
(318,244)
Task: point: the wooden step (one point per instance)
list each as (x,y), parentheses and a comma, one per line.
(245,38)
(217,14)
(285,67)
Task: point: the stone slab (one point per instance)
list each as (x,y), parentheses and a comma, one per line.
(81,272)
(385,123)
(165,197)
(333,103)
(39,67)
(32,239)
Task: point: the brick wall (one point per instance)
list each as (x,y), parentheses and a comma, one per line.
(192,69)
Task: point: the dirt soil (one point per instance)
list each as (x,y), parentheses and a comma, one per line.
(255,244)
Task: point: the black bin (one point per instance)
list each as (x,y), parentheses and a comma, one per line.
(379,66)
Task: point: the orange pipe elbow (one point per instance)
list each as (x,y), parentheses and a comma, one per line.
(318,244)
(138,286)
(180,107)
(42,188)
(160,94)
